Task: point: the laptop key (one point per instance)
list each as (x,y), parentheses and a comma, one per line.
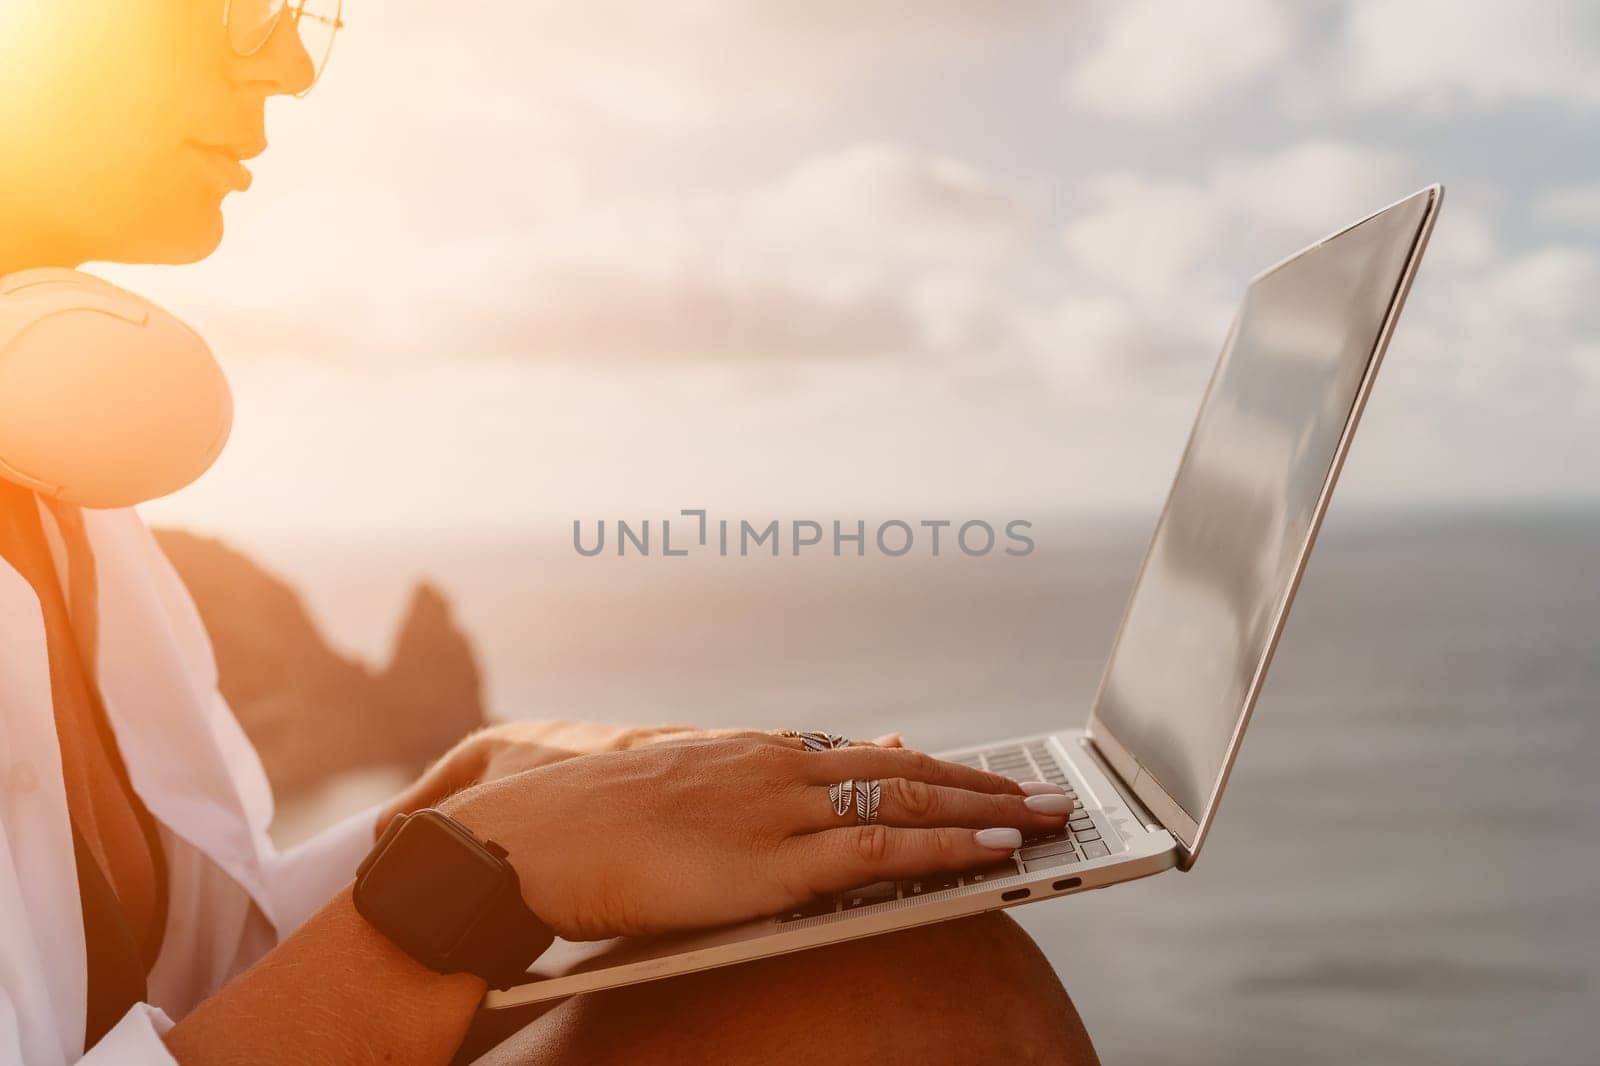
(811,909)
(990,873)
(1095,849)
(1045,850)
(922,886)
(866,895)
(1081,822)
(1050,862)
(1087,835)
(1044,838)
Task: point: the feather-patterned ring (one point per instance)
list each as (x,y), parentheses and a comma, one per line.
(842,795)
(868,793)
(812,740)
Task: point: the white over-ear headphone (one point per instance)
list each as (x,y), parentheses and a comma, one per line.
(105,399)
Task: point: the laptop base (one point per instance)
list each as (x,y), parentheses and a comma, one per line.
(1133,847)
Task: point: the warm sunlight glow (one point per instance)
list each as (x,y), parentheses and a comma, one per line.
(724,252)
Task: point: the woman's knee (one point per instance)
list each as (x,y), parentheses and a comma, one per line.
(968,990)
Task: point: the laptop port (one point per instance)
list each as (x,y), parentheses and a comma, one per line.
(1066,883)
(1014,894)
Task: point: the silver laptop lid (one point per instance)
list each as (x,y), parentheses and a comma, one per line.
(1221,570)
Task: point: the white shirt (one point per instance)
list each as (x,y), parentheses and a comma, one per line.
(232,895)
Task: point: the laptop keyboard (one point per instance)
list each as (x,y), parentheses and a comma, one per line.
(1077,841)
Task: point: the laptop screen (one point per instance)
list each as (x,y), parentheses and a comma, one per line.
(1229,546)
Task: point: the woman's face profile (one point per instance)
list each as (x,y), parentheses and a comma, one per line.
(124,123)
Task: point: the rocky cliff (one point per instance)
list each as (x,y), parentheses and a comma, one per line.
(311,712)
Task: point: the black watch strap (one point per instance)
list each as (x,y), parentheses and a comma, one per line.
(500,948)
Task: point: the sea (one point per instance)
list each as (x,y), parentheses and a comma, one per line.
(1405,868)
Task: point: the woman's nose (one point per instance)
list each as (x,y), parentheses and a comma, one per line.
(283,63)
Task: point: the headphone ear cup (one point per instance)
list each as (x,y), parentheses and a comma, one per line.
(105,399)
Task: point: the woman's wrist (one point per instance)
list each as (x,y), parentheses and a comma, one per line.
(337,990)
(470,809)
(505,812)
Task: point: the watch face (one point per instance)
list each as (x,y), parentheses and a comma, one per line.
(429,885)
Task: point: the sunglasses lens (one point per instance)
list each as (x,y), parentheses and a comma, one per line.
(251,22)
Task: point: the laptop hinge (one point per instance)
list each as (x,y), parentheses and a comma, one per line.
(1124,788)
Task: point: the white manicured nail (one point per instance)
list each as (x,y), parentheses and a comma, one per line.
(1041,788)
(1048,804)
(999,839)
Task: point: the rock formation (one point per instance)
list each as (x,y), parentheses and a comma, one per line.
(311,712)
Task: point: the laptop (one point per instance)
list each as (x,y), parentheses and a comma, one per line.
(1147,770)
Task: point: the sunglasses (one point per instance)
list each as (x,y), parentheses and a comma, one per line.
(251,23)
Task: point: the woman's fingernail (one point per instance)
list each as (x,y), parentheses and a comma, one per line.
(999,839)
(1048,804)
(890,740)
(1041,788)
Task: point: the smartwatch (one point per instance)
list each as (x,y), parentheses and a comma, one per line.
(449,900)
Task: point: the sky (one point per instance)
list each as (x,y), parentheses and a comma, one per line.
(516,262)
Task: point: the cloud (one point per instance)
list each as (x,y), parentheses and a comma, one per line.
(1015,230)
(1314,185)
(1445,54)
(865,252)
(1543,296)
(688,66)
(1575,206)
(606,314)
(1156,60)
(1176,253)
(1512,337)
(1151,236)
(1143,235)
(1588,363)
(1466,242)
(833,259)
(879,202)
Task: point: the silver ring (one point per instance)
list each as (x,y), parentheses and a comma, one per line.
(812,740)
(868,793)
(842,795)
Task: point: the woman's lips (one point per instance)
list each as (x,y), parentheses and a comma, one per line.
(224,167)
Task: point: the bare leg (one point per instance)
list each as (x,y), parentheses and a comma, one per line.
(974,990)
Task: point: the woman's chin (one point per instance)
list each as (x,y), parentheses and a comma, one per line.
(177,240)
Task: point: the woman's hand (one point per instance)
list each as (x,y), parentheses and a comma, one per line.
(706,831)
(514,747)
